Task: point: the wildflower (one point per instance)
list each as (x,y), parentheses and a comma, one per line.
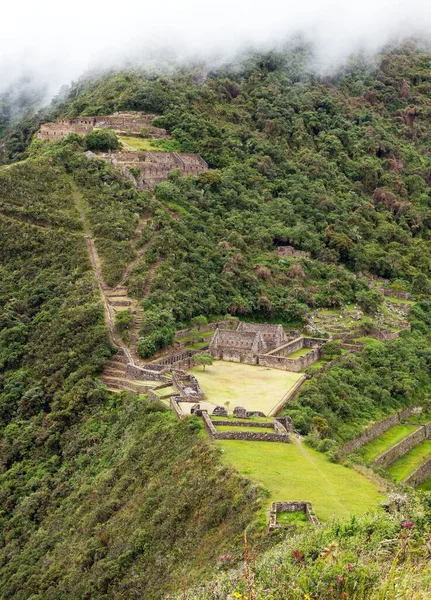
(340,579)
(350,567)
(307,597)
(407,525)
(275,567)
(237,595)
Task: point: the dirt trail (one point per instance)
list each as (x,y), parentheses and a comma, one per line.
(327,486)
(97,269)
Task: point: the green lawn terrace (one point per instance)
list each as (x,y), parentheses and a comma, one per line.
(412,460)
(253,387)
(386,440)
(293,472)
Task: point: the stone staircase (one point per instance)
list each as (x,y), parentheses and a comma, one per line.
(116,380)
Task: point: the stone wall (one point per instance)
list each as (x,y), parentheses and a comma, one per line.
(131,122)
(290,252)
(251,436)
(291,507)
(139,373)
(289,364)
(400,294)
(173,403)
(387,458)
(420,475)
(235,423)
(377,429)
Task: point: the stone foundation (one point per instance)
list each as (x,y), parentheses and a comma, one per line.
(291,507)
(279,433)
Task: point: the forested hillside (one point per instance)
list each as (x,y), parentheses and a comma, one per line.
(108,496)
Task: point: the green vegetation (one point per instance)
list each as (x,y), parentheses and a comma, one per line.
(367,386)
(295,518)
(296,472)
(101,141)
(341,560)
(108,497)
(405,465)
(203,359)
(254,388)
(385,441)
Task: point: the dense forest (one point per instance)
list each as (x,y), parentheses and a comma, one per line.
(106,497)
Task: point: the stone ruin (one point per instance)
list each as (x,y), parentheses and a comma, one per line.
(276,430)
(240,412)
(291,252)
(125,122)
(265,345)
(146,169)
(291,507)
(220,411)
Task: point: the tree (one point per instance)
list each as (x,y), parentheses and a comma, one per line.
(331,350)
(203,359)
(369,301)
(102,141)
(199,321)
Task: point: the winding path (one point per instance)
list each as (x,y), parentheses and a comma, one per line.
(97,270)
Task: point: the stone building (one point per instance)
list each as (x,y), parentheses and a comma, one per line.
(146,169)
(125,122)
(265,345)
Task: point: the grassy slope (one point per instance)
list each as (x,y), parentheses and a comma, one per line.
(386,440)
(144,504)
(254,388)
(296,472)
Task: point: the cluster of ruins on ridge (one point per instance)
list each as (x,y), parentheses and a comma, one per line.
(144,169)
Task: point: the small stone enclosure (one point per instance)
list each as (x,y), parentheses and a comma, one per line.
(291,507)
(264,345)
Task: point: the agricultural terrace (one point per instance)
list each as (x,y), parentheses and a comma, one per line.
(137,143)
(296,472)
(405,465)
(386,440)
(250,386)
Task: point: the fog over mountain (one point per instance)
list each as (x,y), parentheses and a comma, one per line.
(57,42)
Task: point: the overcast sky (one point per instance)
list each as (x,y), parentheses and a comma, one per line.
(60,40)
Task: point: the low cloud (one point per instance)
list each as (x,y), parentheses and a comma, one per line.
(56,42)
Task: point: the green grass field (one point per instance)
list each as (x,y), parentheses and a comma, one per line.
(137,143)
(300,352)
(222,428)
(254,388)
(381,443)
(425,486)
(296,472)
(408,463)
(295,518)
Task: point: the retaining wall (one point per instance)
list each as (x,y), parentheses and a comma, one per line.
(243,423)
(173,403)
(376,429)
(421,474)
(387,458)
(135,372)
